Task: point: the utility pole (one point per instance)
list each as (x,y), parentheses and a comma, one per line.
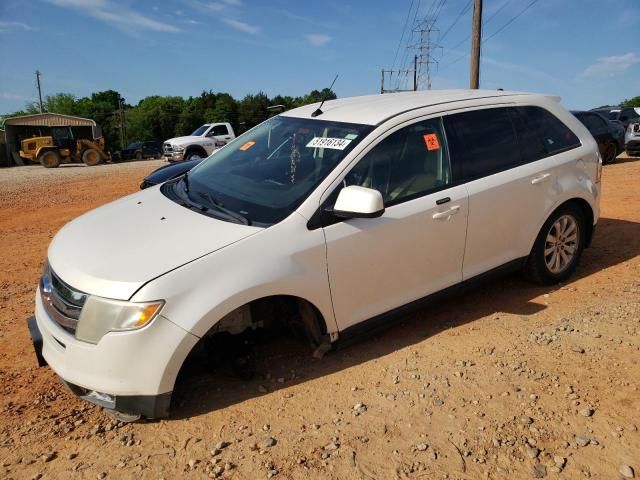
(121,117)
(39,89)
(406,72)
(476,40)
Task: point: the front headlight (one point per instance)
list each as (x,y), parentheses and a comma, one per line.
(178,148)
(100,316)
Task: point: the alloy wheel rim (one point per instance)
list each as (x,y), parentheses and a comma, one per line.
(561,244)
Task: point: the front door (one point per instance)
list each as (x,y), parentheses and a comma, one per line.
(416,247)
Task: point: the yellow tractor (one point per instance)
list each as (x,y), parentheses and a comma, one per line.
(61,147)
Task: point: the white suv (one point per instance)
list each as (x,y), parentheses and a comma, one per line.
(327,219)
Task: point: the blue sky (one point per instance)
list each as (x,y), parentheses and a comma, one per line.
(586,51)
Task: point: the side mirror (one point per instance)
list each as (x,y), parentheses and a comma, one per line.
(358,202)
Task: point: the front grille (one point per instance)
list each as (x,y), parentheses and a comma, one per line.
(636,128)
(62,302)
(167,148)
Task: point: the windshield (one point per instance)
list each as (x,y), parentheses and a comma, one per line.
(267,172)
(133,146)
(200,131)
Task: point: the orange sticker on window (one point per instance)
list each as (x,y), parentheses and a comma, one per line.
(247,145)
(431,141)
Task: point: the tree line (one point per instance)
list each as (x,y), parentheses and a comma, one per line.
(162,117)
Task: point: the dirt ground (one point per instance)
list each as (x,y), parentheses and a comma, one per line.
(510,381)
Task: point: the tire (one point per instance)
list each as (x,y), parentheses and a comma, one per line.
(139,156)
(91,157)
(49,159)
(549,269)
(158,156)
(610,154)
(193,154)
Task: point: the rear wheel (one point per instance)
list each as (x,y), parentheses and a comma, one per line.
(49,159)
(138,155)
(91,157)
(610,153)
(558,248)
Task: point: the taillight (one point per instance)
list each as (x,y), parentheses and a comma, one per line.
(599,169)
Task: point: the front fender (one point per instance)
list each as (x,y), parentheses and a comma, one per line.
(285,259)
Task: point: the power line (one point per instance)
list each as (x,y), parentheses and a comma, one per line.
(460,15)
(403,65)
(497,12)
(505,25)
(493,15)
(511,21)
(404,29)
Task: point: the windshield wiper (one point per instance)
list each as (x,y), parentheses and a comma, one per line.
(216,204)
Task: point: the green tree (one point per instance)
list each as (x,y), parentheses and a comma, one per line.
(631,102)
(252,110)
(226,110)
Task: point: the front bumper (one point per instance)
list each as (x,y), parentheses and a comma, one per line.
(633,147)
(132,372)
(174,156)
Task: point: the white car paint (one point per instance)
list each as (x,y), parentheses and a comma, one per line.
(145,247)
(177,149)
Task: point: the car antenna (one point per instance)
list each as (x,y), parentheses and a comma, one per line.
(319,109)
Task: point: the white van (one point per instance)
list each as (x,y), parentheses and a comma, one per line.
(341,216)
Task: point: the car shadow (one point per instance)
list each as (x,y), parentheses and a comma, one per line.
(626,159)
(286,362)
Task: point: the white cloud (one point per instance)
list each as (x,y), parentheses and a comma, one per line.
(13,96)
(114,14)
(610,66)
(8,26)
(318,39)
(207,7)
(243,27)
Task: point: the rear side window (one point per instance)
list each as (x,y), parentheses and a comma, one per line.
(555,135)
(482,142)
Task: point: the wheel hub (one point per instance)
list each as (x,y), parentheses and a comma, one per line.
(561,244)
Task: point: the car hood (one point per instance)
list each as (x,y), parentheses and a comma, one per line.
(114,250)
(187,139)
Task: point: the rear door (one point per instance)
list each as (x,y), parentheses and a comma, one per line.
(415,248)
(510,175)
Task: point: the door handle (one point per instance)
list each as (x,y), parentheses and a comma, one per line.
(540,178)
(447,213)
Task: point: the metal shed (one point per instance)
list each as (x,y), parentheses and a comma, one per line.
(18,128)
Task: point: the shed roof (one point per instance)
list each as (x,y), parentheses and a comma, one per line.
(50,120)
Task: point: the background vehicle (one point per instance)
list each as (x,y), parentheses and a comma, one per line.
(167,172)
(608,135)
(624,115)
(632,139)
(139,151)
(200,144)
(61,147)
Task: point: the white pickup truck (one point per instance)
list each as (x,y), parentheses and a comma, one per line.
(200,144)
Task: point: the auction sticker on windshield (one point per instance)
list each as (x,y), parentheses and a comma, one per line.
(327,142)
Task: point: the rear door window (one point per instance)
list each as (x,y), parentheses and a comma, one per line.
(482,142)
(555,135)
